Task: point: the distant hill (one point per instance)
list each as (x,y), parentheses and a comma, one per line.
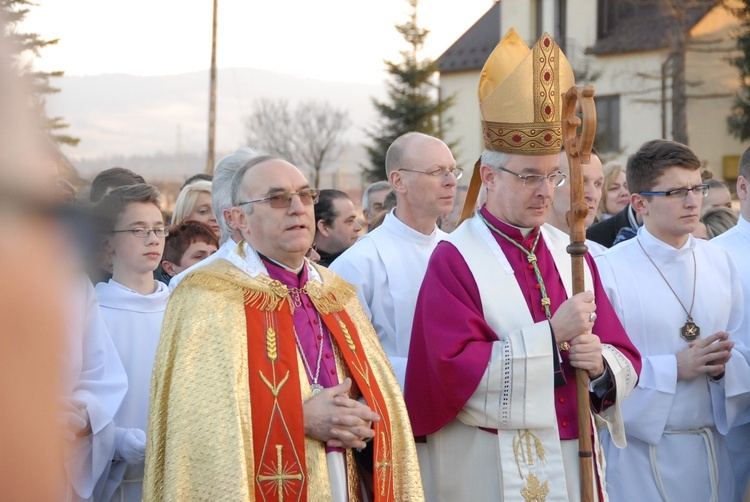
(159,124)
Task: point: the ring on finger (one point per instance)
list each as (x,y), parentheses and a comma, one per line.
(592,316)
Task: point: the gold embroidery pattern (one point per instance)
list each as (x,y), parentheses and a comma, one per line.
(276,477)
(347,335)
(535,492)
(275,389)
(383,463)
(364,371)
(546,81)
(520,138)
(271,348)
(525,445)
(279,475)
(269,294)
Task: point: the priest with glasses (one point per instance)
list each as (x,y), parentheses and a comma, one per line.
(269,382)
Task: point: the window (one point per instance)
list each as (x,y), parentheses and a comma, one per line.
(551,18)
(560,23)
(606,16)
(607,123)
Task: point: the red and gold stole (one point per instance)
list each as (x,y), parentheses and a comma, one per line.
(341,328)
(276,398)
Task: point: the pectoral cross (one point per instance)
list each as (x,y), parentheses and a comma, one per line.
(279,477)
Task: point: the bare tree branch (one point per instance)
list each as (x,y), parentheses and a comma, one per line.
(310,137)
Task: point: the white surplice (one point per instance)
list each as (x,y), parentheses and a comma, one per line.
(93,374)
(387,267)
(675,450)
(222,252)
(134,321)
(736,242)
(490,466)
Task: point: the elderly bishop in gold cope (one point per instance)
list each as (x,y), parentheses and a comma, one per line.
(269,382)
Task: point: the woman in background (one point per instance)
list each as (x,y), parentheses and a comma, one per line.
(194,203)
(615,194)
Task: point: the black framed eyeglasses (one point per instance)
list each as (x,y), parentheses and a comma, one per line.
(281,200)
(680,193)
(456,171)
(143,233)
(535,180)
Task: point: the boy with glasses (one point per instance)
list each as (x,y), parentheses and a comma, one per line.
(680,300)
(132,304)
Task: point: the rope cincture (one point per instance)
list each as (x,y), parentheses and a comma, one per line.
(530,257)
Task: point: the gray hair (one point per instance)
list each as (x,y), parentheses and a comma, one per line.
(372,188)
(238,194)
(495,159)
(221,196)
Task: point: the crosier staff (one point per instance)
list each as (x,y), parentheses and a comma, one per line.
(578,149)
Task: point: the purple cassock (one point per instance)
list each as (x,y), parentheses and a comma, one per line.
(451,342)
(309,329)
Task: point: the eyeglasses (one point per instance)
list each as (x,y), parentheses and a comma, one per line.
(143,233)
(681,193)
(535,180)
(456,171)
(281,200)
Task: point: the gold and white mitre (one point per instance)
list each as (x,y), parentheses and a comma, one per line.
(520,96)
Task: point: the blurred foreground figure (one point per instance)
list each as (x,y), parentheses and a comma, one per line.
(52,424)
(29,255)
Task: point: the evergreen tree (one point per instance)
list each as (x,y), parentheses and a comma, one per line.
(413,102)
(739,120)
(24,48)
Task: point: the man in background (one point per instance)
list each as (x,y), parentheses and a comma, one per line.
(388,264)
(593,179)
(736,242)
(372,200)
(336,225)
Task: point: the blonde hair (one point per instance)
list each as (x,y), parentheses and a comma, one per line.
(718,220)
(611,171)
(186,200)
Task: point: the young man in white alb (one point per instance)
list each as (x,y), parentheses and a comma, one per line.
(680,301)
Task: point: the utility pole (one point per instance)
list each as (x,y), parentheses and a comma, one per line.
(212,99)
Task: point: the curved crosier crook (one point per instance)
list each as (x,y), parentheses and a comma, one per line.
(578,149)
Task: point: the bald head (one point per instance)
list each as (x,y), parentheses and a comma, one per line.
(422,172)
(404,151)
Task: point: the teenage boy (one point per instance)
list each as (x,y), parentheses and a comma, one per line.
(187,244)
(133,305)
(680,301)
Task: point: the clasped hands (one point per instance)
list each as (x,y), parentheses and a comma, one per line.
(705,355)
(337,420)
(572,324)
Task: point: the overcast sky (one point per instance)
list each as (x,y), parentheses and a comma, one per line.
(308,38)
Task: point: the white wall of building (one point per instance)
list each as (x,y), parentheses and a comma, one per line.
(626,75)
